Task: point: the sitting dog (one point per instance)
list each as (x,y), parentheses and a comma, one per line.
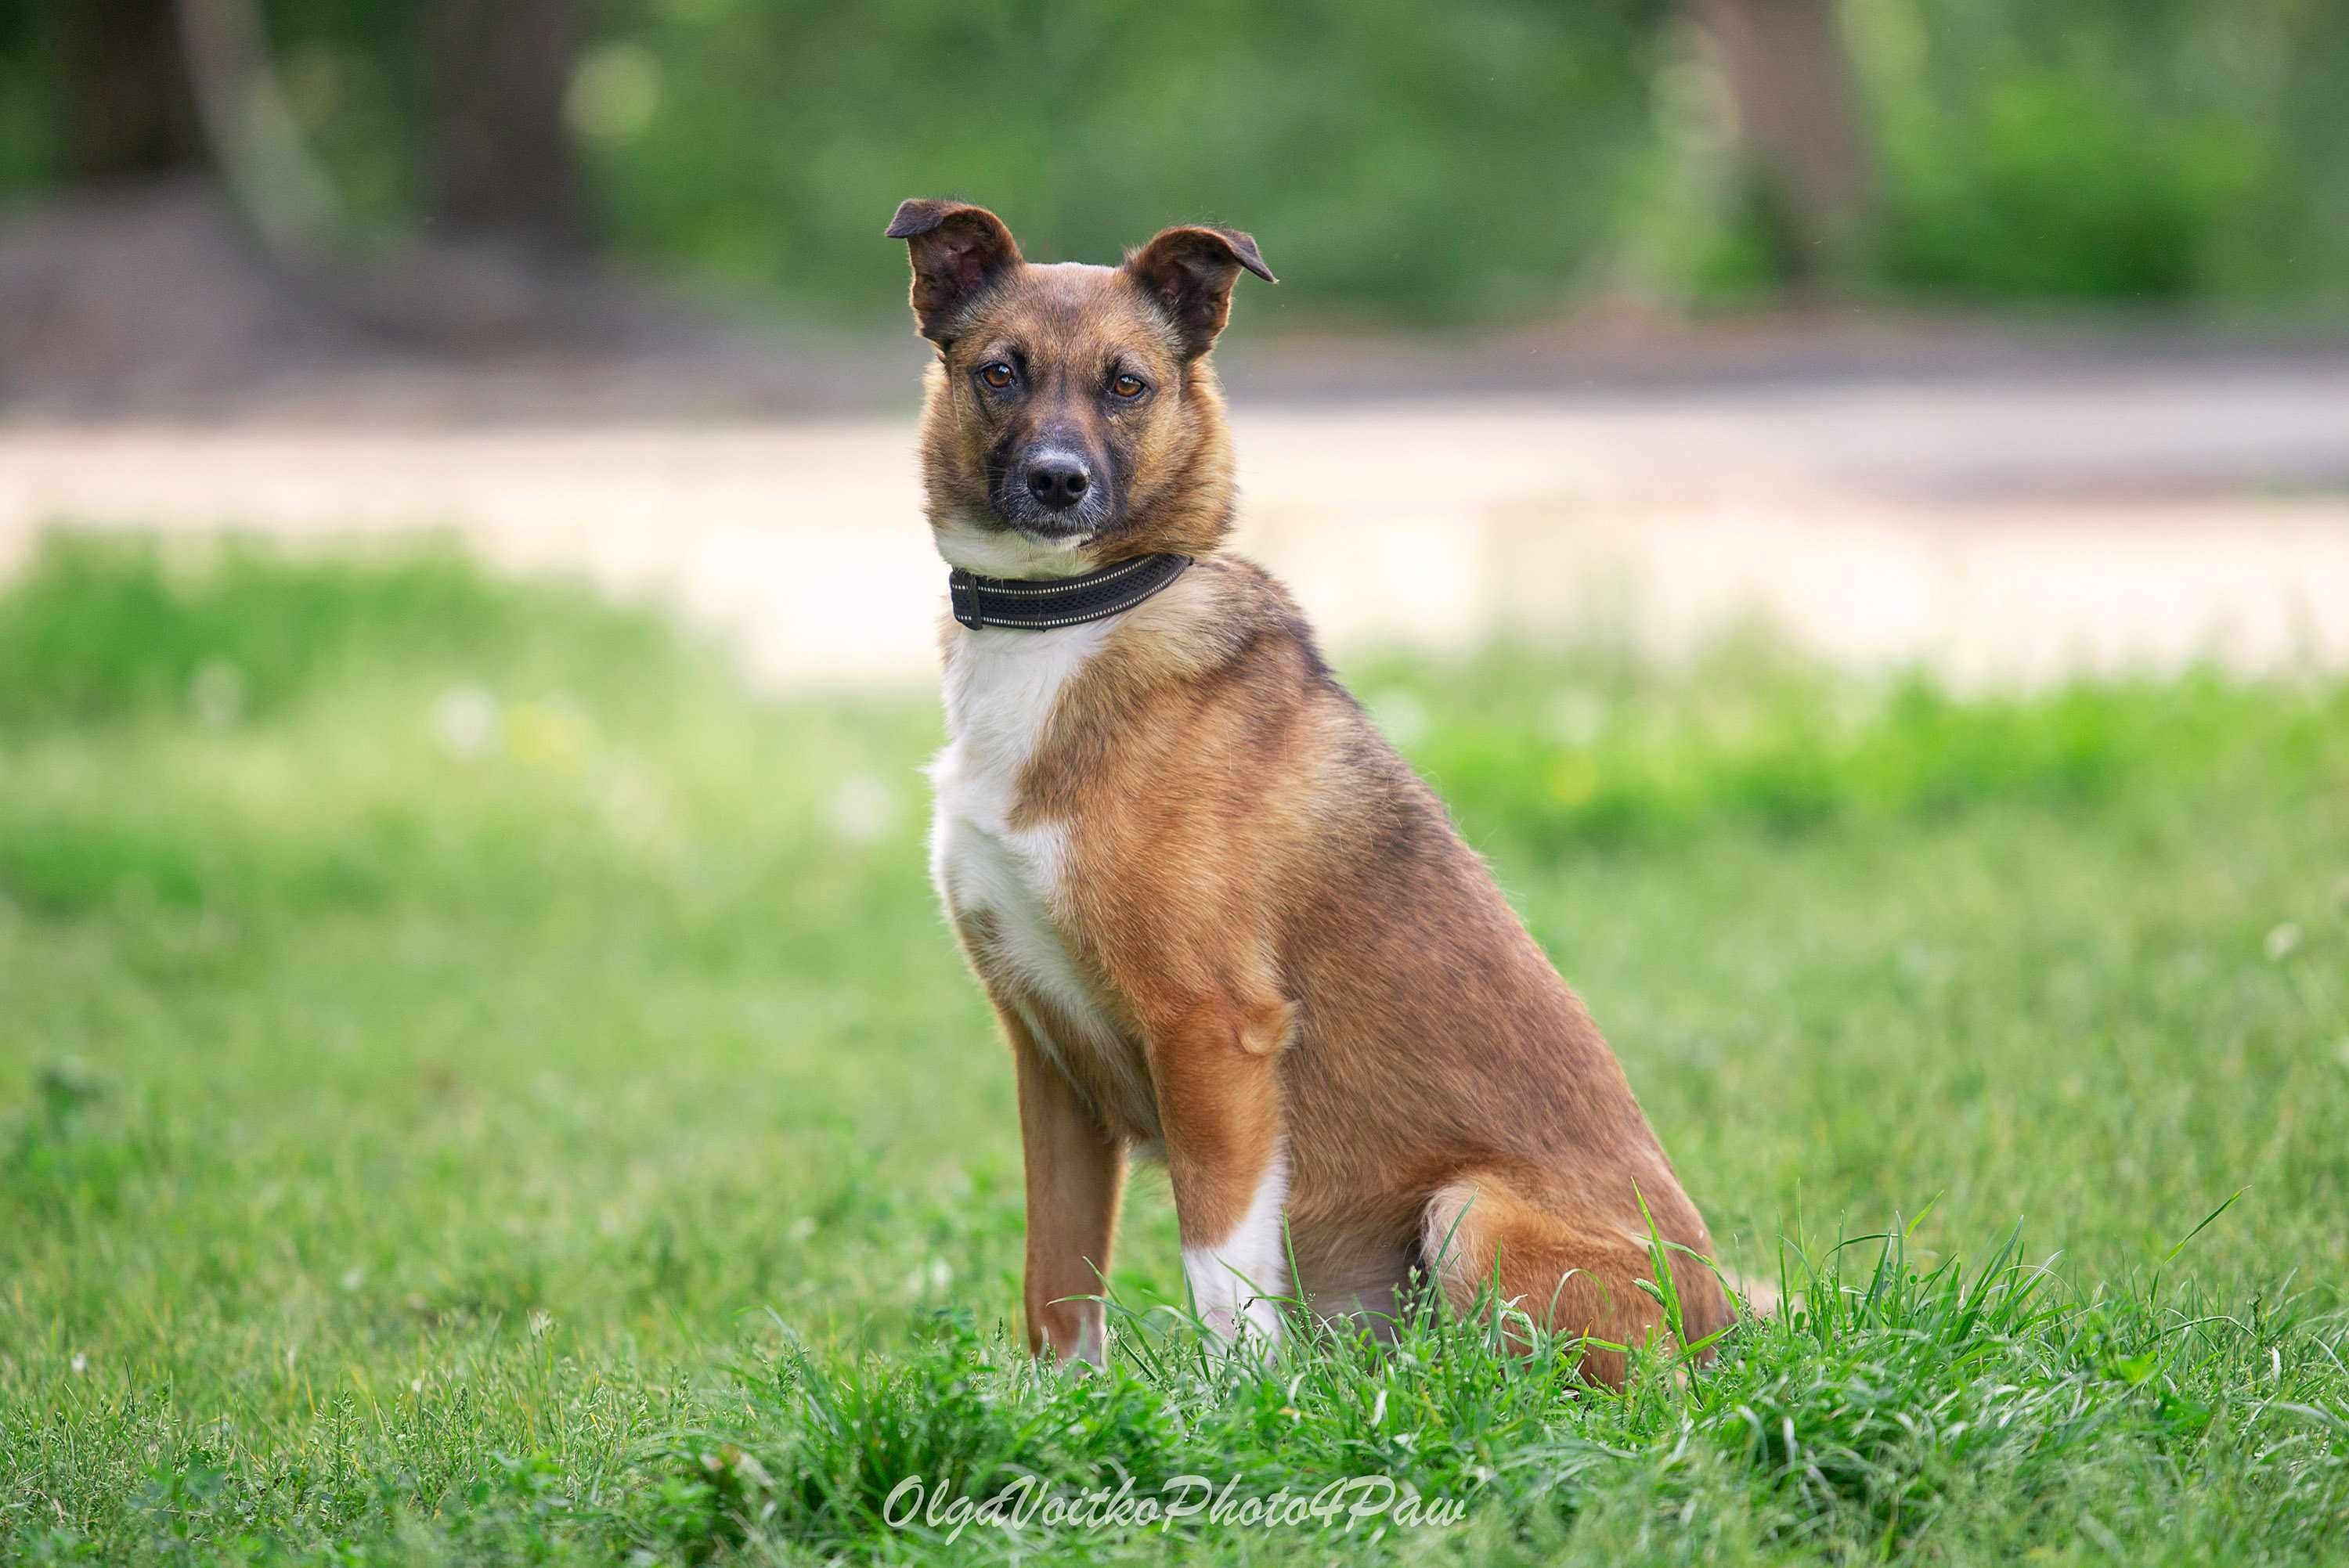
(1221,922)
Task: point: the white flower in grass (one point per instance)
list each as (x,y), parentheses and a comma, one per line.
(861,808)
(80,1363)
(541,1324)
(467,720)
(217,693)
(2282,941)
(633,807)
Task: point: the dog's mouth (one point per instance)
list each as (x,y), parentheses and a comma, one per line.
(1053,527)
(1068,525)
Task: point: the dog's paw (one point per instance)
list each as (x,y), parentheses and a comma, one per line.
(1240,1320)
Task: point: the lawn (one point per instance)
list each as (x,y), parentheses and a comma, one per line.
(479,1084)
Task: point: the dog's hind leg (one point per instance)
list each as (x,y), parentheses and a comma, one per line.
(1571,1273)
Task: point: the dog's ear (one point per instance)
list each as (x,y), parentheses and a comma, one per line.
(1189,272)
(957,250)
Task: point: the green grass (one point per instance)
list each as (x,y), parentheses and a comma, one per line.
(477,1084)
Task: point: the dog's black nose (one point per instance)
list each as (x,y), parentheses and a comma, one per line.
(1058,483)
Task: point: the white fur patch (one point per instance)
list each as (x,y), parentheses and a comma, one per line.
(1233,1282)
(1008,552)
(1001,686)
(1092,1337)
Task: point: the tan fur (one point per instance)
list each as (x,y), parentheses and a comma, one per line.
(1076,1173)
(1294,949)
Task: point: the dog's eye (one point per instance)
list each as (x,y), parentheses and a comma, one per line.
(997,375)
(1129,386)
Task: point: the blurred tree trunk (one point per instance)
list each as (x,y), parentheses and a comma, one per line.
(1792,79)
(498,161)
(128,108)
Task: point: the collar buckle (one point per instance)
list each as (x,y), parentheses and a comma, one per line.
(962,596)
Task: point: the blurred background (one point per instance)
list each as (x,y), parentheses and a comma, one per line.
(1847,501)
(1966,331)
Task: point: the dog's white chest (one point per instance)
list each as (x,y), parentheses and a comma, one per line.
(1000,686)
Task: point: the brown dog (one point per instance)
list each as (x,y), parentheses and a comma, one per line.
(1221,921)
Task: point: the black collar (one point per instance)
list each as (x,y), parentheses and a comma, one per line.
(1038,604)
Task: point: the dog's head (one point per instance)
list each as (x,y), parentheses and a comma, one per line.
(1071,419)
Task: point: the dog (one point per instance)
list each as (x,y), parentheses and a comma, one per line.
(1223,924)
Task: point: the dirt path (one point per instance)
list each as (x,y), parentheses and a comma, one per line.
(1999,528)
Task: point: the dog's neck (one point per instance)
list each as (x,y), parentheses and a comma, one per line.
(1051,603)
(1006,578)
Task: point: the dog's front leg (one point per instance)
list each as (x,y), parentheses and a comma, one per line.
(1226,1157)
(1075,1172)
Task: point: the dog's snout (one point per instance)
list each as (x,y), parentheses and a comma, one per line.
(1057,481)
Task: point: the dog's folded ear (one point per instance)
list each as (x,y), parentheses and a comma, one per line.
(958,251)
(1189,271)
